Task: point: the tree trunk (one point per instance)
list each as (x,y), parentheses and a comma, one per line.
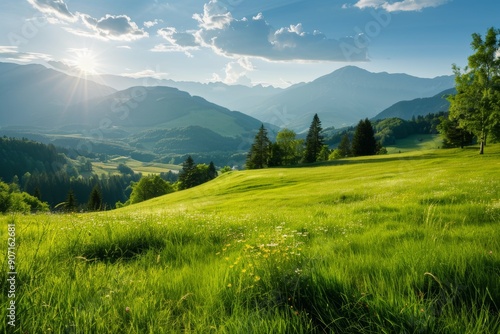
(481,147)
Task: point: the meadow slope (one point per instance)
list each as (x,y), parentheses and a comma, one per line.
(402,243)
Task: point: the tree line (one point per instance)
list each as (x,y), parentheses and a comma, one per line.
(289,150)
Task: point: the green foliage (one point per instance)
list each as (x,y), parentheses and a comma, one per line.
(292,149)
(124,169)
(363,142)
(95,199)
(193,174)
(476,105)
(324,153)
(225,169)
(453,135)
(149,187)
(314,141)
(260,152)
(344,148)
(13,200)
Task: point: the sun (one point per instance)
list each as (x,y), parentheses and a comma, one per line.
(85,61)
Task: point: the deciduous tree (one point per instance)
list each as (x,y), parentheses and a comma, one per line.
(476,106)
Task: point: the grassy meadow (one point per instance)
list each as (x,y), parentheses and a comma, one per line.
(401,243)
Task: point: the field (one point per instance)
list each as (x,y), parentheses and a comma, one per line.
(145,168)
(401,243)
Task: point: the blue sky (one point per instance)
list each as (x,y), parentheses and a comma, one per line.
(278,42)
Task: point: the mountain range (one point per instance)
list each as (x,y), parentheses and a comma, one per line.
(186,117)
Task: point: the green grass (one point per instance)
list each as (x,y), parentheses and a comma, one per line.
(416,142)
(402,243)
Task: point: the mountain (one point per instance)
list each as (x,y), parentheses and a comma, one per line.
(144,108)
(234,97)
(418,107)
(343,97)
(33,95)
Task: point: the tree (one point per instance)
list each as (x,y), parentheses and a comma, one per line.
(344,148)
(149,187)
(276,158)
(260,152)
(453,135)
(314,141)
(324,153)
(291,147)
(95,199)
(186,175)
(212,172)
(364,142)
(70,205)
(476,106)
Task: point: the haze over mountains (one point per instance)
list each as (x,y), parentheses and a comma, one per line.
(33,96)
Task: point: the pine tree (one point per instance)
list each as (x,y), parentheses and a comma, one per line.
(212,172)
(314,140)
(71,204)
(260,152)
(95,199)
(187,174)
(364,142)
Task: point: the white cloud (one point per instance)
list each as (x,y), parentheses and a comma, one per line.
(403,6)
(214,16)
(12,53)
(150,24)
(123,47)
(54,9)
(109,27)
(114,27)
(235,73)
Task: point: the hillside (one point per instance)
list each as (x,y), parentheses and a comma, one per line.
(418,107)
(343,97)
(398,243)
(144,108)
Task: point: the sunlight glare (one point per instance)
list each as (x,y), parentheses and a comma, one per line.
(86,61)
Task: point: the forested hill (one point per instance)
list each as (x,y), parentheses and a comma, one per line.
(40,169)
(21,156)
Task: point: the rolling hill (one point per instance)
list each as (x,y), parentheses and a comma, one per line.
(418,107)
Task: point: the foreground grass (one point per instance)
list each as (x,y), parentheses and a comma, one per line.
(406,243)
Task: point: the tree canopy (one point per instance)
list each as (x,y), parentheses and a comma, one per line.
(476,106)
(364,142)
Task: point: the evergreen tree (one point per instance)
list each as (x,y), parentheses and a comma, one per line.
(187,174)
(260,152)
(364,142)
(314,141)
(70,205)
(95,199)
(276,158)
(344,148)
(212,172)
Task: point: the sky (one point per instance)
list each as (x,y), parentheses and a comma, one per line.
(250,42)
